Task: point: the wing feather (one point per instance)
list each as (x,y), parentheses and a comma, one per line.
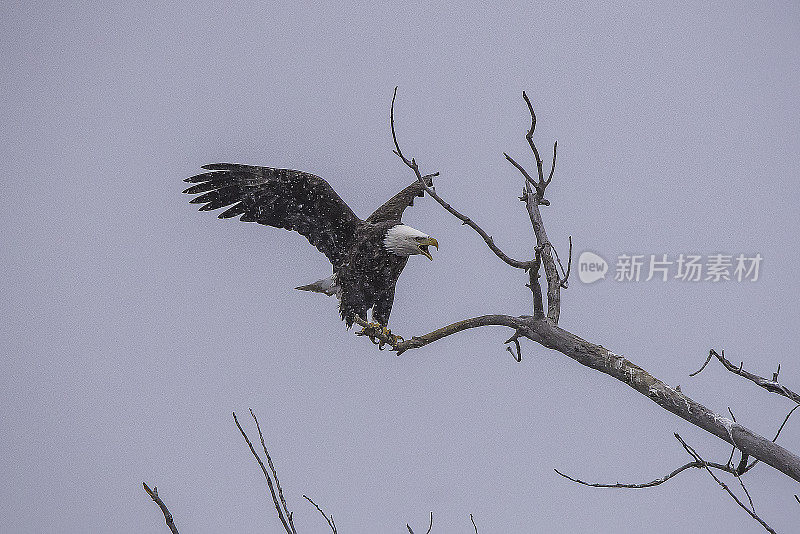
(282,198)
(392,209)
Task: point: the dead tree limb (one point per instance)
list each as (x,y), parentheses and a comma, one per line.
(546,332)
(770,385)
(153,493)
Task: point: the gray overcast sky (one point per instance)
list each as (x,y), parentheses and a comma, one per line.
(132,325)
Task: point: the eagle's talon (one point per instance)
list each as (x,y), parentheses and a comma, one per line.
(380,335)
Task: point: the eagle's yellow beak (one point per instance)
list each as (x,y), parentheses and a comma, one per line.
(424,244)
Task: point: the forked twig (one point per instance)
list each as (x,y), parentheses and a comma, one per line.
(770,385)
(275,500)
(153,493)
(328,519)
(274,474)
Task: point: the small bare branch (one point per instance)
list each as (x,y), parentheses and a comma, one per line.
(527,176)
(741,483)
(697,458)
(553,166)
(275,499)
(476,526)
(274,474)
(515,339)
(412,164)
(328,519)
(565,277)
(474,322)
(652,483)
(430,526)
(153,493)
(529,137)
(541,184)
(788,415)
(770,385)
(778,433)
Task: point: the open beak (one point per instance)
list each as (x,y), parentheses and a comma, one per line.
(423,247)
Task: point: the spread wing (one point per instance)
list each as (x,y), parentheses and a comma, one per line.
(282,198)
(392,209)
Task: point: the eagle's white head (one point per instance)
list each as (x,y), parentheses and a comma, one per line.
(406,241)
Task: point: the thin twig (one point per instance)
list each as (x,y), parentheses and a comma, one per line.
(650,484)
(515,339)
(430,526)
(778,433)
(153,493)
(266,475)
(540,184)
(697,458)
(741,483)
(412,164)
(770,385)
(328,519)
(565,277)
(476,526)
(274,474)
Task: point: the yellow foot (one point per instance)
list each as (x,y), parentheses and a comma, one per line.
(380,335)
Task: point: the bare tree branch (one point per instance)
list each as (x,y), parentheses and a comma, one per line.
(474,322)
(727,467)
(650,484)
(153,493)
(476,526)
(697,458)
(328,519)
(412,164)
(545,331)
(543,245)
(430,526)
(274,474)
(770,385)
(551,336)
(275,500)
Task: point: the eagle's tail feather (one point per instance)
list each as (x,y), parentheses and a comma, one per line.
(327,286)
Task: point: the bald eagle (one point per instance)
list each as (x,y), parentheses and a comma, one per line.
(367,255)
